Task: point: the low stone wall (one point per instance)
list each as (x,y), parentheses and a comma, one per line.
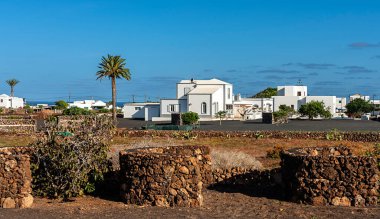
(330,176)
(15,178)
(325,135)
(17,124)
(164,176)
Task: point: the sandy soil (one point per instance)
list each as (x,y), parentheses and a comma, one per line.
(217,205)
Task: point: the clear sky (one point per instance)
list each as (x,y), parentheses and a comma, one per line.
(53,47)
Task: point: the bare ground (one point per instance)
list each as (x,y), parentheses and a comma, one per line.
(217,205)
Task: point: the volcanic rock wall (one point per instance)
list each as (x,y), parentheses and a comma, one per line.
(165,176)
(317,135)
(17,124)
(330,176)
(15,178)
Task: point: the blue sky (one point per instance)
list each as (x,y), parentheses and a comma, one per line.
(54,47)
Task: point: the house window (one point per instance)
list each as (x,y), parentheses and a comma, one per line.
(172,108)
(229,107)
(292,106)
(299,93)
(1,100)
(203,108)
(186,90)
(138,108)
(229,93)
(340,101)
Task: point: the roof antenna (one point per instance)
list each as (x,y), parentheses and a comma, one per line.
(299,83)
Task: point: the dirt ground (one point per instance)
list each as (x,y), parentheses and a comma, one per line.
(217,205)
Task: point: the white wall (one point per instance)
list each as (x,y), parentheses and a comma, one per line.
(291,90)
(329,101)
(195,103)
(288,101)
(181,89)
(181,106)
(11,102)
(141,110)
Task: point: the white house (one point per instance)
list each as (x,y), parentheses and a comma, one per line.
(11,102)
(296,96)
(251,108)
(205,97)
(356,96)
(144,111)
(88,104)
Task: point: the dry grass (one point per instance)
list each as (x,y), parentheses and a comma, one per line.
(222,159)
(15,140)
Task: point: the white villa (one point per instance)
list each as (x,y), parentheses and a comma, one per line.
(11,102)
(88,104)
(205,97)
(296,96)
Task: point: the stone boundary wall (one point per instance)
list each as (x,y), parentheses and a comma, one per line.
(15,178)
(330,176)
(17,124)
(164,176)
(325,135)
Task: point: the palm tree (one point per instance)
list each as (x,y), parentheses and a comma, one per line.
(12,83)
(113,67)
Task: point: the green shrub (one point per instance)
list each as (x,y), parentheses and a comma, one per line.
(190,118)
(103,110)
(69,166)
(334,135)
(76,111)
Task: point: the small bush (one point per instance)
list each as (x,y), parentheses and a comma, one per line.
(69,166)
(103,110)
(190,118)
(76,111)
(229,159)
(334,135)
(274,153)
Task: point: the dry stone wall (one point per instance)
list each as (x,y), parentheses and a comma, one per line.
(325,135)
(164,176)
(15,178)
(17,124)
(330,176)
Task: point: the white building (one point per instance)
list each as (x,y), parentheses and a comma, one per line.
(356,96)
(251,108)
(11,102)
(205,97)
(88,104)
(296,96)
(145,111)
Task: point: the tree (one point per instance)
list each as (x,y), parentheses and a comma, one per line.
(221,115)
(314,109)
(61,105)
(282,115)
(113,67)
(267,93)
(12,83)
(358,107)
(76,111)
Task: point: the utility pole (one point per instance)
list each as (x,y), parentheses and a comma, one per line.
(133,98)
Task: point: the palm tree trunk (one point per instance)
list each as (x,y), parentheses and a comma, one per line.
(12,91)
(114,99)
